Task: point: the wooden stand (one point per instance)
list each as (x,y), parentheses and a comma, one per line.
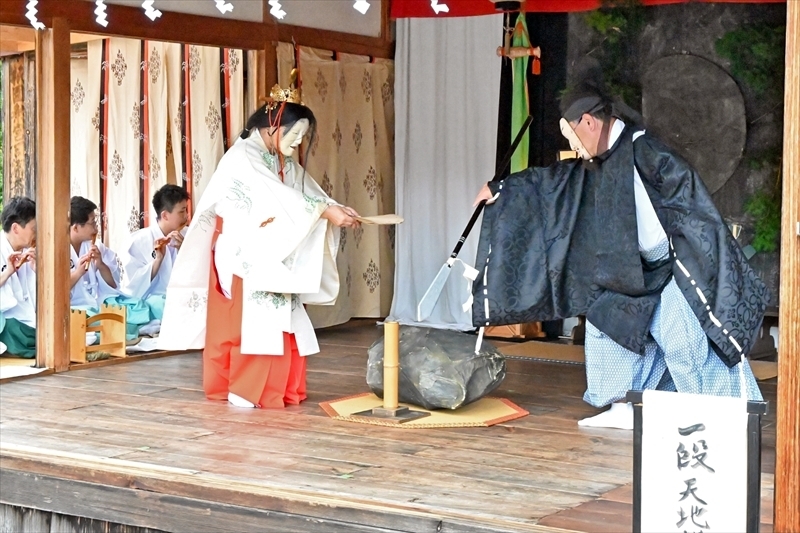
(528,330)
(391,411)
(111,329)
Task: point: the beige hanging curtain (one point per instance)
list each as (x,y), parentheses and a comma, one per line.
(351,158)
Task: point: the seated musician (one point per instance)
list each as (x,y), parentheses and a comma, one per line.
(18,278)
(95,270)
(150,252)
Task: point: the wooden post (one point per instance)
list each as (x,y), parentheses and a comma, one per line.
(52,194)
(270,66)
(391,362)
(787,448)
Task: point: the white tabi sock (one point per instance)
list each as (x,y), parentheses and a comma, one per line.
(238,401)
(620,416)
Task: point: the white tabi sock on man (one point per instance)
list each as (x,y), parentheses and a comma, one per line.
(619,416)
(238,401)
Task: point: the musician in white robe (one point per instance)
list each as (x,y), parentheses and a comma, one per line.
(95,270)
(262,244)
(151,252)
(18,278)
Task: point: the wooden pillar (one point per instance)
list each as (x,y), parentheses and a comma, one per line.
(386,22)
(787,448)
(270,66)
(52,194)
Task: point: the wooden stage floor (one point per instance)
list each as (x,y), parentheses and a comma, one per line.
(138,444)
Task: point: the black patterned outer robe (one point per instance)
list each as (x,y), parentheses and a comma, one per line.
(562,241)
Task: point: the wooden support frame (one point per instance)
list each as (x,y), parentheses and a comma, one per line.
(52,190)
(787,447)
(333,40)
(110,329)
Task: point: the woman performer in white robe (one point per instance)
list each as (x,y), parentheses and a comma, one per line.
(261,245)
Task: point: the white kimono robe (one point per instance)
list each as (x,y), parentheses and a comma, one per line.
(91,290)
(18,293)
(273,239)
(137,260)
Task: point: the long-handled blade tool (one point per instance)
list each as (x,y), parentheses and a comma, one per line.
(431,296)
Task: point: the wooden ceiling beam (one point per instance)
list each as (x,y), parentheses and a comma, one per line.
(17,33)
(347,43)
(8,48)
(126,21)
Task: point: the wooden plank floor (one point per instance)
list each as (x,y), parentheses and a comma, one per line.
(142,436)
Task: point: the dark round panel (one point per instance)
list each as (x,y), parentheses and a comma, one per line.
(696,108)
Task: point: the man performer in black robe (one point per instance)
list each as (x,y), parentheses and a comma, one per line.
(628,236)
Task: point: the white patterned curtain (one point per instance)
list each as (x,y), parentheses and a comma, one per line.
(233,101)
(205,135)
(81,113)
(160,102)
(173,73)
(90,152)
(123,135)
(155,117)
(351,158)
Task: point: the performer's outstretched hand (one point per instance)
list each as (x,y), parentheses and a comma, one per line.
(341,216)
(484,194)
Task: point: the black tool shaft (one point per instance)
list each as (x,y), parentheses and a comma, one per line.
(500,169)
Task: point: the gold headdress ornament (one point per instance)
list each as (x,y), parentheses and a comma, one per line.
(278,94)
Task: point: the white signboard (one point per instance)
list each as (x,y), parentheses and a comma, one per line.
(694,463)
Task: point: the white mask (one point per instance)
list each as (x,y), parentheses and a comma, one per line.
(292,137)
(574,141)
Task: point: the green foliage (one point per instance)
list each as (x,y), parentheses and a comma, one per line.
(617,20)
(618,24)
(756,53)
(769,158)
(765,208)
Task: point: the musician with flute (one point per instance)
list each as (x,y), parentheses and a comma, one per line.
(150,252)
(18,278)
(95,270)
